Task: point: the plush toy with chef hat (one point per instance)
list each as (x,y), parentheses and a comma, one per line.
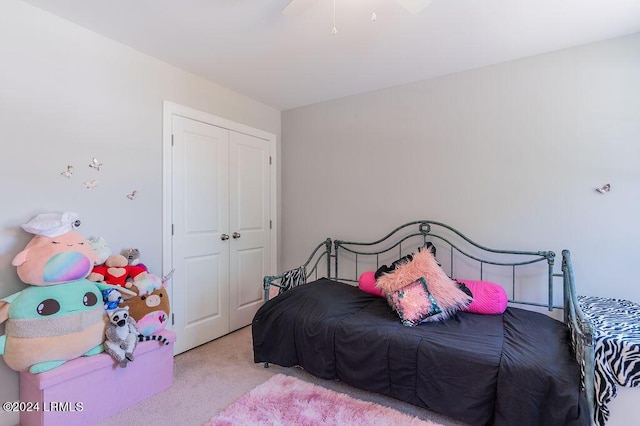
(56,254)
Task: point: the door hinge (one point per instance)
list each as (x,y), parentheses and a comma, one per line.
(172,229)
(270,224)
(269,160)
(172,140)
(173,319)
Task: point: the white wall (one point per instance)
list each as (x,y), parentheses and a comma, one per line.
(68,95)
(508,154)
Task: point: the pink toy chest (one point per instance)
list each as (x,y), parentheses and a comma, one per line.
(86,390)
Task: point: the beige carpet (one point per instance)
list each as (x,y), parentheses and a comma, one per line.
(210,377)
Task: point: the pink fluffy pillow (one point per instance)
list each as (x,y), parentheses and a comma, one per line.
(449,297)
(488,298)
(367,283)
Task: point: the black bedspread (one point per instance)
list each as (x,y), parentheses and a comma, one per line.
(510,369)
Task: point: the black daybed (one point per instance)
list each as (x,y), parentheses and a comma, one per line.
(517,367)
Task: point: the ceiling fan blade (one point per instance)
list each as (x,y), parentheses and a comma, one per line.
(414,6)
(295,7)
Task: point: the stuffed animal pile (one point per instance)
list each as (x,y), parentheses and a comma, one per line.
(149,306)
(61,315)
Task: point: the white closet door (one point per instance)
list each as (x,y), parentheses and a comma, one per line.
(249,225)
(200,193)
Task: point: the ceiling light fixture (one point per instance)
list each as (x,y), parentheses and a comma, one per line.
(296,7)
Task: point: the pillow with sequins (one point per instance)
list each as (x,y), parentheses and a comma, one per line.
(414,303)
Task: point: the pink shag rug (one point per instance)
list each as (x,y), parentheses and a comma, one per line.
(285,400)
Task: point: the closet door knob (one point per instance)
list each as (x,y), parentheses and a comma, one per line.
(236,235)
(224,237)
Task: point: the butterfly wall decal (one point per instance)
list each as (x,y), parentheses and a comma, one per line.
(133,195)
(604,189)
(91,185)
(68,173)
(95,164)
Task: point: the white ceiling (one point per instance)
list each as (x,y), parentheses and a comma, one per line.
(290,61)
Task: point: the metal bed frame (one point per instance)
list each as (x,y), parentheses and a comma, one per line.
(462,251)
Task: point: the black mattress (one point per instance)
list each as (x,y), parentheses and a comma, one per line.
(514,368)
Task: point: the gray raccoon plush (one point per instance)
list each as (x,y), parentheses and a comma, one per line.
(133,258)
(122,336)
(132,255)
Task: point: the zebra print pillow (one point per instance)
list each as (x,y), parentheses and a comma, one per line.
(293,278)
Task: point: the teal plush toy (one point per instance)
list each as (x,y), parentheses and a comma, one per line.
(47,326)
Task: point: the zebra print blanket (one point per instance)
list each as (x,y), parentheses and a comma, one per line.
(616,326)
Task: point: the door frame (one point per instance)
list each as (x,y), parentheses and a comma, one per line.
(169,110)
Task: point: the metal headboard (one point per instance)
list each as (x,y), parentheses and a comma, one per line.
(425,231)
(311,267)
